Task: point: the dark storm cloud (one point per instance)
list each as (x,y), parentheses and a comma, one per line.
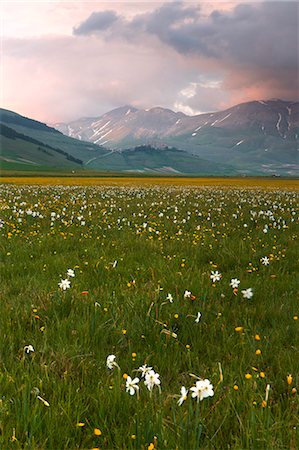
(258,34)
(97,21)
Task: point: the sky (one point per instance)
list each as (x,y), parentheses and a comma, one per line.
(63,60)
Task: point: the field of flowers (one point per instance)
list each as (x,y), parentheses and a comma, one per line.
(145,317)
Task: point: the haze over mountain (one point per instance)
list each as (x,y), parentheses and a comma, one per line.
(253,137)
(27,144)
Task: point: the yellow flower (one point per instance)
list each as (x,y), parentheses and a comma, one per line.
(289,379)
(133,437)
(295,317)
(264,404)
(188,346)
(151,446)
(239,329)
(262,374)
(248,376)
(125,376)
(258,351)
(236,387)
(134,355)
(80,424)
(97,432)
(124,331)
(176,316)
(257,337)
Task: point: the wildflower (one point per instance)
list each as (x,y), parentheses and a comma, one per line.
(29,349)
(111,362)
(234,283)
(258,351)
(202,389)
(80,424)
(248,376)
(70,273)
(97,432)
(197,320)
(184,394)
(289,379)
(151,380)
(262,374)
(265,260)
(144,369)
(215,276)
(64,284)
(247,293)
(187,294)
(239,329)
(257,337)
(169,298)
(132,385)
(236,387)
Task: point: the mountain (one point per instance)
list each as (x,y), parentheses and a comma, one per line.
(29,144)
(254,137)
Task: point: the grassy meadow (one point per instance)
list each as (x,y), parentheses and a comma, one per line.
(198,282)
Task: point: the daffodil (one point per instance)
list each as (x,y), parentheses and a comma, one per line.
(64,284)
(110,362)
(215,276)
(144,370)
(132,385)
(151,380)
(198,317)
(234,283)
(184,394)
(247,293)
(29,349)
(202,389)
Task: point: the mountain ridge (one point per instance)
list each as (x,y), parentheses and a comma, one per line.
(260,135)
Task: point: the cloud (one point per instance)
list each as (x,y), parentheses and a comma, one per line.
(186,56)
(260,34)
(253,46)
(96,22)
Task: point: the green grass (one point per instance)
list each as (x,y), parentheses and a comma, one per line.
(122,310)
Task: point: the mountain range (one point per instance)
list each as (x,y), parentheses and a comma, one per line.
(254,138)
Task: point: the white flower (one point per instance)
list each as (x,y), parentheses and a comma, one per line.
(151,379)
(169,298)
(187,294)
(184,394)
(64,284)
(70,273)
(234,283)
(132,385)
(202,389)
(111,362)
(265,260)
(247,293)
(215,276)
(144,369)
(114,264)
(198,317)
(29,349)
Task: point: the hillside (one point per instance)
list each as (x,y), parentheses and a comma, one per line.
(27,145)
(253,137)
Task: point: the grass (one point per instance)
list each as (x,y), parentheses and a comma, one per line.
(130,243)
